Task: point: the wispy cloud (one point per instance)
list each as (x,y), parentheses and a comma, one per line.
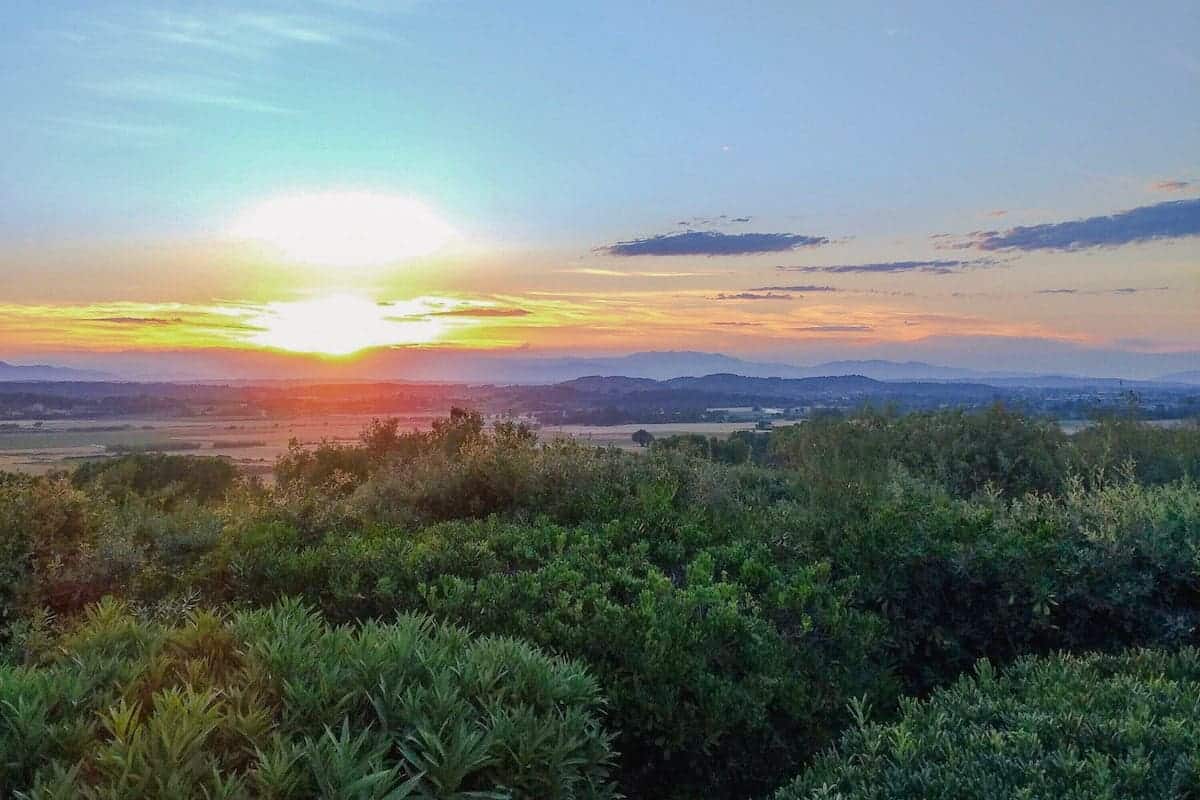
(1123,290)
(720,221)
(484,312)
(803,287)
(834,329)
(738,324)
(240,32)
(186,90)
(135,320)
(713,243)
(616,273)
(935,267)
(217,54)
(752,296)
(133,130)
(1171,186)
(1170,220)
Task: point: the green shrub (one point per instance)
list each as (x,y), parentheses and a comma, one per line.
(197,478)
(1158,455)
(1064,726)
(961,580)
(43,522)
(275,703)
(729,611)
(962,451)
(723,668)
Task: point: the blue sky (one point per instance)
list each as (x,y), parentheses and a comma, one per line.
(524,116)
(548,131)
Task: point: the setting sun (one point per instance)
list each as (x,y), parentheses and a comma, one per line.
(344,228)
(342,324)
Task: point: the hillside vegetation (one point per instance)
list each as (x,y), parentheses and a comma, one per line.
(467,612)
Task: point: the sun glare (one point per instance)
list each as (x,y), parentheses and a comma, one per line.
(344,229)
(340,325)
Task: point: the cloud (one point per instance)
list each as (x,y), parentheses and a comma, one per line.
(484,312)
(210,54)
(804,287)
(1171,186)
(834,329)
(1170,220)
(1123,290)
(135,320)
(752,296)
(115,127)
(738,324)
(186,90)
(712,243)
(721,221)
(935,267)
(614,273)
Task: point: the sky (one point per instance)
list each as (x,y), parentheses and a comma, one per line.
(261,180)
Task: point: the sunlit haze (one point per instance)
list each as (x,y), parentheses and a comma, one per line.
(344,228)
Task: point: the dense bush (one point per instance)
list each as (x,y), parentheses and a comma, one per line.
(963,451)
(730,598)
(1158,455)
(276,704)
(199,478)
(1063,727)
(959,580)
(722,665)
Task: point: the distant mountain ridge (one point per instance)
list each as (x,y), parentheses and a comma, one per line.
(502,368)
(47,372)
(741,389)
(665,366)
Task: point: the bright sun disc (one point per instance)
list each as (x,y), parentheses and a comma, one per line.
(342,324)
(345,229)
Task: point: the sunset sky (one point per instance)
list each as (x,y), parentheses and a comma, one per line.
(1011,185)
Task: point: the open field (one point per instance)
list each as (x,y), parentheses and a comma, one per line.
(252,443)
(621,435)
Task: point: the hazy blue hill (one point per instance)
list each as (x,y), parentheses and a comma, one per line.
(601,384)
(47,372)
(776,387)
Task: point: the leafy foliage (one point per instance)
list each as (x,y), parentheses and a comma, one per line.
(731,597)
(200,478)
(1065,726)
(276,703)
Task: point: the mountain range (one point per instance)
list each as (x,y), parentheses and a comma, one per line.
(46,372)
(431,365)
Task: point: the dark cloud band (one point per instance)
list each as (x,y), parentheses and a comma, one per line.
(804,287)
(753,296)
(713,243)
(834,329)
(935,267)
(1170,220)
